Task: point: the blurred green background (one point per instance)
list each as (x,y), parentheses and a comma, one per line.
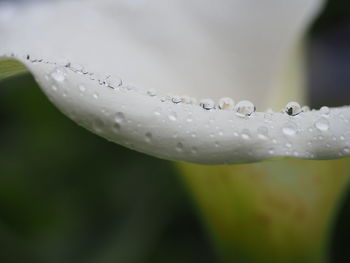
(67,195)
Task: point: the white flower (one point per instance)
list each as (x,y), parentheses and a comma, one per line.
(135,72)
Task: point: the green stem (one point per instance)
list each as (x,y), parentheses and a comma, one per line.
(277,211)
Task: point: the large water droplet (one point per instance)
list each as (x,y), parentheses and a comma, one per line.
(322,124)
(226,104)
(293,108)
(244,108)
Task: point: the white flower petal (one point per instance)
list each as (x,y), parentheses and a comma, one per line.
(128,40)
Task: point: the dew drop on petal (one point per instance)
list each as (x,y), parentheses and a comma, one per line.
(95,95)
(58,74)
(82,88)
(207,104)
(293,108)
(245,134)
(172,116)
(244,108)
(226,104)
(148,137)
(157,111)
(179,147)
(98,125)
(176,99)
(325,110)
(263,132)
(289,129)
(322,124)
(119,117)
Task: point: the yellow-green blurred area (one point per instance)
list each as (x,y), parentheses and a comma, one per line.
(67,195)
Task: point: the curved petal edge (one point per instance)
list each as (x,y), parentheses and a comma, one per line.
(184,131)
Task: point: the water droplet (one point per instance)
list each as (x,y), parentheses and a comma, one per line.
(179,147)
(54,88)
(82,88)
(176,99)
(293,108)
(244,108)
(119,117)
(346,150)
(95,95)
(148,137)
(172,116)
(322,124)
(151,92)
(245,134)
(207,104)
(289,129)
(263,132)
(226,104)
(325,110)
(58,74)
(98,125)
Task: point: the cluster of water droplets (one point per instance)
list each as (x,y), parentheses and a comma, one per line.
(319,128)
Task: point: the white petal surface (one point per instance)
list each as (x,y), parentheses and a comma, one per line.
(200,48)
(137,41)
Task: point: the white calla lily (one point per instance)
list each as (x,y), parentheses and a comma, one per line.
(86,54)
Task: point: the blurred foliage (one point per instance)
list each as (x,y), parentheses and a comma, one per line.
(67,195)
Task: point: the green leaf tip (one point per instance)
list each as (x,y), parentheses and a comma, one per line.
(10,68)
